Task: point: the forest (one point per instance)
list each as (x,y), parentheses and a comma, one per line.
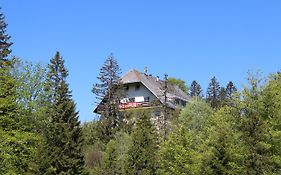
(223,132)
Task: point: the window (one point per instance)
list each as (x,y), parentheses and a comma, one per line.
(146,99)
(126,88)
(131,99)
(137,87)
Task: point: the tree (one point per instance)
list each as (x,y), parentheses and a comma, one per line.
(254,127)
(18,144)
(213,93)
(142,152)
(180,83)
(195,89)
(180,153)
(222,148)
(109,92)
(4,39)
(64,140)
(195,115)
(109,77)
(271,100)
(30,80)
(116,154)
(230,89)
(222,96)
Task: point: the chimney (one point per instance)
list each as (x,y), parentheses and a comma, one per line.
(145,70)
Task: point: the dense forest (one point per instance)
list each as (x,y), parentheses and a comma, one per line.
(224,131)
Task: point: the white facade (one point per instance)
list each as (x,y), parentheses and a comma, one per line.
(137,92)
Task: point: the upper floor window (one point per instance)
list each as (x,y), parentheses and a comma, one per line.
(137,87)
(146,99)
(131,99)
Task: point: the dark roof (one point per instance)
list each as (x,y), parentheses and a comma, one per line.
(156,86)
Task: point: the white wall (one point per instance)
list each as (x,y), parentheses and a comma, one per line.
(142,91)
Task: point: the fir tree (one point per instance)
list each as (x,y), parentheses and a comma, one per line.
(64,140)
(213,93)
(142,152)
(230,89)
(222,96)
(4,39)
(195,89)
(109,77)
(109,92)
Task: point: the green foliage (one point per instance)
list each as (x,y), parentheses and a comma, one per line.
(230,90)
(109,91)
(271,99)
(180,153)
(30,80)
(8,105)
(195,89)
(4,40)
(63,136)
(142,157)
(180,83)
(222,150)
(93,155)
(116,154)
(18,144)
(254,128)
(19,152)
(213,92)
(195,115)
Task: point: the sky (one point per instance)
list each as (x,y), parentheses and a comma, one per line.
(188,39)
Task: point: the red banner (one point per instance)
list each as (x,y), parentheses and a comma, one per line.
(129,105)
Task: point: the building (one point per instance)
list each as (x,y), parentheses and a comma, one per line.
(148,92)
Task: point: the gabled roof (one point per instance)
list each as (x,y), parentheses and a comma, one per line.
(155,85)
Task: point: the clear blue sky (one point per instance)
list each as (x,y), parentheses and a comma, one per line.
(189,39)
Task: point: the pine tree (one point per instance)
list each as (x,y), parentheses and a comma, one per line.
(109,77)
(142,152)
(195,89)
(222,96)
(4,39)
(109,92)
(64,139)
(230,89)
(213,93)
